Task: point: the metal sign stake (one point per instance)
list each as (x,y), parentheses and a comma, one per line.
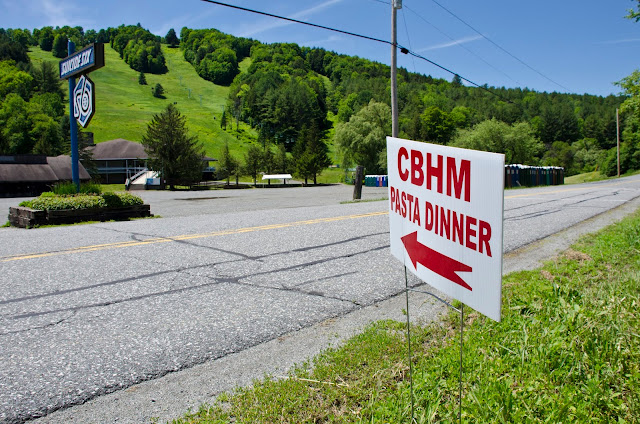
(461,310)
(406,284)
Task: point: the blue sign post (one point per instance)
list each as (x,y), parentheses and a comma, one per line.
(81,98)
(73,126)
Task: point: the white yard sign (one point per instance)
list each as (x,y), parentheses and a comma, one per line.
(445,219)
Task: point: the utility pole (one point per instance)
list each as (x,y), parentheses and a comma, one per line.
(395,5)
(618,138)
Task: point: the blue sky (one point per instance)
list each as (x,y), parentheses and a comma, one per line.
(578,46)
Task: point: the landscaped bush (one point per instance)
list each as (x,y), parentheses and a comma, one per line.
(70,188)
(50,201)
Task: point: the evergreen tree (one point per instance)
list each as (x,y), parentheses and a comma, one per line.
(283,162)
(171,38)
(142,79)
(311,154)
(171,150)
(224,119)
(268,161)
(46,79)
(158,91)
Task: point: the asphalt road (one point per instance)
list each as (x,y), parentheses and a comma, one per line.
(93,309)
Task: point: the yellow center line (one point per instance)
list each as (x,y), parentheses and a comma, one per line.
(157,240)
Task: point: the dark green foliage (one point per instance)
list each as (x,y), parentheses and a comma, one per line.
(60,47)
(31,105)
(158,91)
(46,79)
(283,161)
(253,161)
(229,165)
(280,106)
(171,150)
(142,79)
(219,67)
(171,38)
(224,119)
(11,49)
(139,48)
(46,39)
(214,55)
(310,153)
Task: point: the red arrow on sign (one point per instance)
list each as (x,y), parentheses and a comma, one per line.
(435,261)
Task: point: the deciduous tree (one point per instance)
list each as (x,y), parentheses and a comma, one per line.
(517,142)
(252,162)
(362,140)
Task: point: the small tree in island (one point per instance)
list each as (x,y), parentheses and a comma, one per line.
(171,150)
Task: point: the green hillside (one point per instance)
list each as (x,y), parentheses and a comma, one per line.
(124,107)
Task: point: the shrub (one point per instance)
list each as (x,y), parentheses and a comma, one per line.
(50,201)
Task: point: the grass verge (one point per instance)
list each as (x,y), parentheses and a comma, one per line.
(567,350)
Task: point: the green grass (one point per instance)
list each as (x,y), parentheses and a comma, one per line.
(593,176)
(111,188)
(124,107)
(585,178)
(567,350)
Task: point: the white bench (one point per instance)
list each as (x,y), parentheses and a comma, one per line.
(283,177)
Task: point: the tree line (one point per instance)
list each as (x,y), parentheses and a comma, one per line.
(32,118)
(287,88)
(293,96)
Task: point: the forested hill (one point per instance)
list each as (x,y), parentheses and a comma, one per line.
(288,88)
(284,91)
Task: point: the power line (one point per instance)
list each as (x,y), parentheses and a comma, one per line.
(353,34)
(500,47)
(406,29)
(459,45)
(449,37)
(366,37)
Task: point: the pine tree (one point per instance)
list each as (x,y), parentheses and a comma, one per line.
(142,79)
(171,38)
(311,154)
(223,120)
(171,150)
(158,91)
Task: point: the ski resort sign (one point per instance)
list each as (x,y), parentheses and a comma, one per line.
(82,62)
(83,100)
(445,219)
(83,93)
